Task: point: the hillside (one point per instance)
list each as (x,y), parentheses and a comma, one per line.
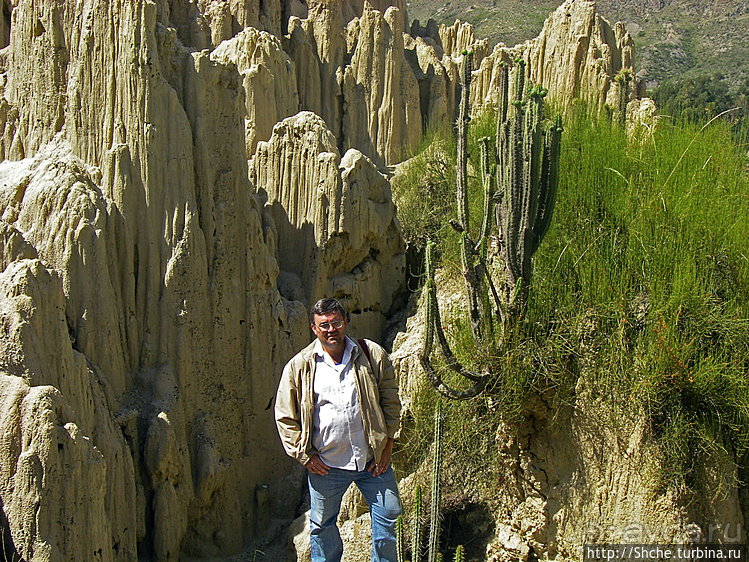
(672,37)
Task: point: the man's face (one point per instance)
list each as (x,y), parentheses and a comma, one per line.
(325,329)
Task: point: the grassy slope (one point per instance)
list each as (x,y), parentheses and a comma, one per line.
(681,36)
(641,286)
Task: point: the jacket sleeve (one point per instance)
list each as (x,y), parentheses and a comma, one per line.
(288,415)
(387,384)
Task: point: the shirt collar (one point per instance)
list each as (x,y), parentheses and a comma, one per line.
(320,352)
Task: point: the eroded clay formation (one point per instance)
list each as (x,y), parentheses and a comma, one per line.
(179,180)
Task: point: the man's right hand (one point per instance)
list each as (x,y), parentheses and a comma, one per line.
(316,466)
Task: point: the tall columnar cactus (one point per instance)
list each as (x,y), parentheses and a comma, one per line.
(435,518)
(623,80)
(477,311)
(528,158)
(487,171)
(400,540)
(472,261)
(417,535)
(460,555)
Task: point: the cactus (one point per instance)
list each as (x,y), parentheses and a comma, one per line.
(623,80)
(477,311)
(487,169)
(416,536)
(432,324)
(526,165)
(434,519)
(474,270)
(528,159)
(400,540)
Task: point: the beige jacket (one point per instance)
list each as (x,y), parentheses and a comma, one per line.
(378,396)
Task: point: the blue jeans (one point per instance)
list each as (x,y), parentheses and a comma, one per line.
(326,492)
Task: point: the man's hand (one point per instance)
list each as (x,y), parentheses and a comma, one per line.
(316,466)
(387,455)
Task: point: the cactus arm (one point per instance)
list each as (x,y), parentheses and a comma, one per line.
(533,151)
(514,194)
(400,540)
(451,360)
(502,101)
(503,106)
(487,178)
(532,190)
(462,125)
(480,248)
(549,179)
(495,295)
(623,79)
(477,312)
(432,324)
(431,308)
(519,81)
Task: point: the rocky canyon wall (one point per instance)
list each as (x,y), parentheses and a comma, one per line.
(578,54)
(378,87)
(178,181)
(143,328)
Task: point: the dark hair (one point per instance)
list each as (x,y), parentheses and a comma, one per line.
(326,306)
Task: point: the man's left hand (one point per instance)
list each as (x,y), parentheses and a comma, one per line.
(387,454)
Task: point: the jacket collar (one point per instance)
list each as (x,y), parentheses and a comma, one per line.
(308,353)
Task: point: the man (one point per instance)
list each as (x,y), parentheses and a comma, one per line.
(337,411)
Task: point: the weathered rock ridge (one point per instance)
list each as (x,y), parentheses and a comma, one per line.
(378,88)
(578,54)
(179,180)
(144,330)
(334,220)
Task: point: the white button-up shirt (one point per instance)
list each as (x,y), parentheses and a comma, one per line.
(337,425)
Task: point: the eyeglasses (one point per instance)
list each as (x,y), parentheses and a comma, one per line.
(335,324)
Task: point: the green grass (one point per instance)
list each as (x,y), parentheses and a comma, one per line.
(424,191)
(641,287)
(649,241)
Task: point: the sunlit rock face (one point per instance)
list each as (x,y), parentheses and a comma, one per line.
(144,328)
(577,55)
(336,232)
(179,180)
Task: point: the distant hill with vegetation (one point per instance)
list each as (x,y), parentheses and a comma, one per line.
(675,39)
